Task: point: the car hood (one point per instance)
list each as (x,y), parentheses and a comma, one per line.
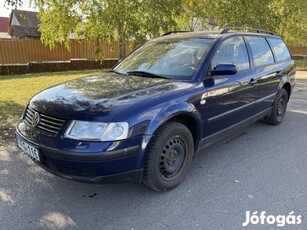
(98,97)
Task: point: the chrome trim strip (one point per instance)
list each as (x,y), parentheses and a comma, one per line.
(48,130)
(30,111)
(215,136)
(49,126)
(29,116)
(28,120)
(47,123)
(52,118)
(50,122)
(242,107)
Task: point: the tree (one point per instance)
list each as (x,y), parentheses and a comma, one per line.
(194,14)
(105,20)
(292,20)
(139,20)
(286,18)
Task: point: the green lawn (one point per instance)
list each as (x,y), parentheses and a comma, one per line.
(16,90)
(300,64)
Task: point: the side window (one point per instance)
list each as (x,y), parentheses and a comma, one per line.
(232,51)
(261,51)
(280,50)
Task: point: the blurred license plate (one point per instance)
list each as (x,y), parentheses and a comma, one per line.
(31,150)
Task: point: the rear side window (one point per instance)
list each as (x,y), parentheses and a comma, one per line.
(280,50)
(261,51)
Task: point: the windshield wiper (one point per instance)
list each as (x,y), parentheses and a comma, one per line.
(114,71)
(145,74)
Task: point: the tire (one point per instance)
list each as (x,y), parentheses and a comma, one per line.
(279,108)
(169,156)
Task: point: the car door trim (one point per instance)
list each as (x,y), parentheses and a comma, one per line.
(242,107)
(215,137)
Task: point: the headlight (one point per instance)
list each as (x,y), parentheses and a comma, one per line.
(97,131)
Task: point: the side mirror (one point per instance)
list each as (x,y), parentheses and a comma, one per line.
(224,69)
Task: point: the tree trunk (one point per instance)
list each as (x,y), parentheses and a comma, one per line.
(122,42)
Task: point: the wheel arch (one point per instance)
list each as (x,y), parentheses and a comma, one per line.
(191,123)
(190,119)
(287,87)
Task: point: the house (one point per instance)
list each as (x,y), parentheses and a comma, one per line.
(212,24)
(24,24)
(4,27)
(201,24)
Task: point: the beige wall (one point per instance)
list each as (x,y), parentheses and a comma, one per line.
(4,35)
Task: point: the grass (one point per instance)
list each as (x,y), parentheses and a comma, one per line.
(17,90)
(300,64)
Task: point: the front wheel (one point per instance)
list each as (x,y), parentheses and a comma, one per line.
(279,108)
(169,156)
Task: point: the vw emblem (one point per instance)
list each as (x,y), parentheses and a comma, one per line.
(35,120)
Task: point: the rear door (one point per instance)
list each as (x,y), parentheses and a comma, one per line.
(267,71)
(282,57)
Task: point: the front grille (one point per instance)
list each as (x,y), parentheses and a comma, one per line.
(46,123)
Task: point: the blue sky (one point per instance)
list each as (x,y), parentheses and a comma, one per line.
(5,12)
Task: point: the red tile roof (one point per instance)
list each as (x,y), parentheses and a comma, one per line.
(4,24)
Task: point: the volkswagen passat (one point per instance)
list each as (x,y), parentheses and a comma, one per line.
(145,119)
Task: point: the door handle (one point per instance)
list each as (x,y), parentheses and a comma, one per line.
(252,82)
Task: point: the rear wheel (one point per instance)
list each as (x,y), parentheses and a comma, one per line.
(279,108)
(169,156)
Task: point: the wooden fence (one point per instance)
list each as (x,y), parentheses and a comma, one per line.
(298,50)
(31,50)
(30,55)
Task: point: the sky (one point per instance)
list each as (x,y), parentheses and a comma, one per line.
(5,12)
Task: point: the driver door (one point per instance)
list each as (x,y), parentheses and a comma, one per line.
(229,98)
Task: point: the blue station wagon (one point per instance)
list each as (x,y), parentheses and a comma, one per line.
(145,119)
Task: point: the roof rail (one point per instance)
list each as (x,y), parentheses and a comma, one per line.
(174,32)
(227,29)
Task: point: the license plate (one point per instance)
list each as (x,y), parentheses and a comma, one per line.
(30,149)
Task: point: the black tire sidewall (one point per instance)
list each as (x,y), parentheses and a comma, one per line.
(273,118)
(282,93)
(170,130)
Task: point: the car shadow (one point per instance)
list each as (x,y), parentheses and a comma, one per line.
(10,112)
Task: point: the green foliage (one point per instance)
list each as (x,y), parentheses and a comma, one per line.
(13,3)
(105,20)
(138,20)
(284,17)
(194,13)
(58,20)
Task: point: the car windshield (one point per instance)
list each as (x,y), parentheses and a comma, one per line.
(174,59)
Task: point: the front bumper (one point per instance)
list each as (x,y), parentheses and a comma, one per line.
(96,162)
(71,174)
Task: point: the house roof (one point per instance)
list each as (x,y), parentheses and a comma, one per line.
(26,18)
(22,31)
(4,24)
(212,22)
(25,24)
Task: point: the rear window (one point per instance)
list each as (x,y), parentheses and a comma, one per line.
(280,50)
(261,51)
